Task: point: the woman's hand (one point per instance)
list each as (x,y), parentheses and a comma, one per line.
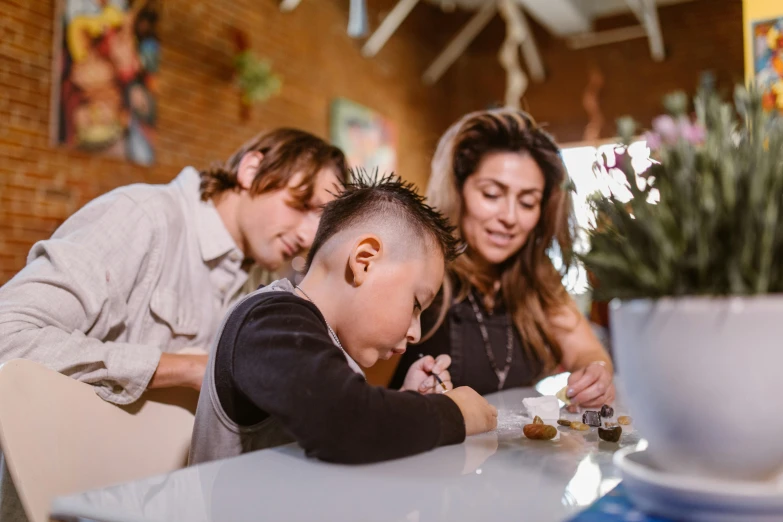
(420,376)
(591,387)
(590,384)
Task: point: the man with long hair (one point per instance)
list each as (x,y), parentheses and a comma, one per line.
(129,292)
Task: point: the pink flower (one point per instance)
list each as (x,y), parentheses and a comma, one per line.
(666,128)
(693,133)
(653,140)
(620,156)
(615,160)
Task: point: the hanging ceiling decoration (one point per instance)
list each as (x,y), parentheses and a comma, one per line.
(568,19)
(358,26)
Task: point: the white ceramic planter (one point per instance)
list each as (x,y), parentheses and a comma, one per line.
(702,380)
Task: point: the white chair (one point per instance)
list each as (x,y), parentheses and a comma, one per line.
(58,437)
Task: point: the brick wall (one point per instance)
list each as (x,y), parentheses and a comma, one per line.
(198,108)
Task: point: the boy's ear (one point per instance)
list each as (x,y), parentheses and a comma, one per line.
(248,168)
(365,254)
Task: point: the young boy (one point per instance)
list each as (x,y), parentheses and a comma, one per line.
(286,364)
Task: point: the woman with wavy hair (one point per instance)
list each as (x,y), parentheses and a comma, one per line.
(505,318)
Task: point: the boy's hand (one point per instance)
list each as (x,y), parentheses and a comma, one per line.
(479,415)
(420,375)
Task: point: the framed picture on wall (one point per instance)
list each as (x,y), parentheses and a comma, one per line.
(368,139)
(768,61)
(106,60)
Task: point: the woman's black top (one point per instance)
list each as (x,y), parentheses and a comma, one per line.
(460,337)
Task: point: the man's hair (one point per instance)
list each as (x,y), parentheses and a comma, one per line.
(287,152)
(368,196)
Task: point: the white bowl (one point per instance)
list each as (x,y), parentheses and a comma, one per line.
(701,378)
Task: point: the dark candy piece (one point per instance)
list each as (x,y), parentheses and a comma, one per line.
(610,434)
(592,418)
(564,422)
(607,411)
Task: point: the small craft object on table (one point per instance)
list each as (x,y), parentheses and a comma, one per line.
(545,407)
(562,395)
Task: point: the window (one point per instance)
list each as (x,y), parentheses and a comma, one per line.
(579,163)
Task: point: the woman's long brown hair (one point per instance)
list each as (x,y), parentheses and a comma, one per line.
(531,287)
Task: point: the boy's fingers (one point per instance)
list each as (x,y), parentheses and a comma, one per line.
(445,378)
(428,363)
(441,363)
(427,383)
(493,417)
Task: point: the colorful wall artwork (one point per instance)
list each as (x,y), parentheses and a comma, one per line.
(106,60)
(368,139)
(768,61)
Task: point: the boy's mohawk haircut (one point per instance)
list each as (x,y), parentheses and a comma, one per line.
(367,193)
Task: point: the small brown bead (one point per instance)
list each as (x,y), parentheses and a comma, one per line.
(579,426)
(539,431)
(564,422)
(624,420)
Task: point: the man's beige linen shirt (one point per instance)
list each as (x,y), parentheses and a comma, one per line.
(141,270)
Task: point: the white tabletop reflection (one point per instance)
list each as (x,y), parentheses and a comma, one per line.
(499,475)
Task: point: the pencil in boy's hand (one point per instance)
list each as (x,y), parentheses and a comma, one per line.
(437,378)
(442,385)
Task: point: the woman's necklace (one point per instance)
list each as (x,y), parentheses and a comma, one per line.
(331,332)
(501,374)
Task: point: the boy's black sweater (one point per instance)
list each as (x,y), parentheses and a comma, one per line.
(276,358)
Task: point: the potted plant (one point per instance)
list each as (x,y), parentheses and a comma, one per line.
(691,257)
(253,76)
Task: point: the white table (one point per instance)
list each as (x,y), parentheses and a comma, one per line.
(494,476)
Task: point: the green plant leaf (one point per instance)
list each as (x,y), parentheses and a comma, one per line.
(716,227)
(255,78)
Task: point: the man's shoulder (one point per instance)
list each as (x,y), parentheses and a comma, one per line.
(160,199)
(164,204)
